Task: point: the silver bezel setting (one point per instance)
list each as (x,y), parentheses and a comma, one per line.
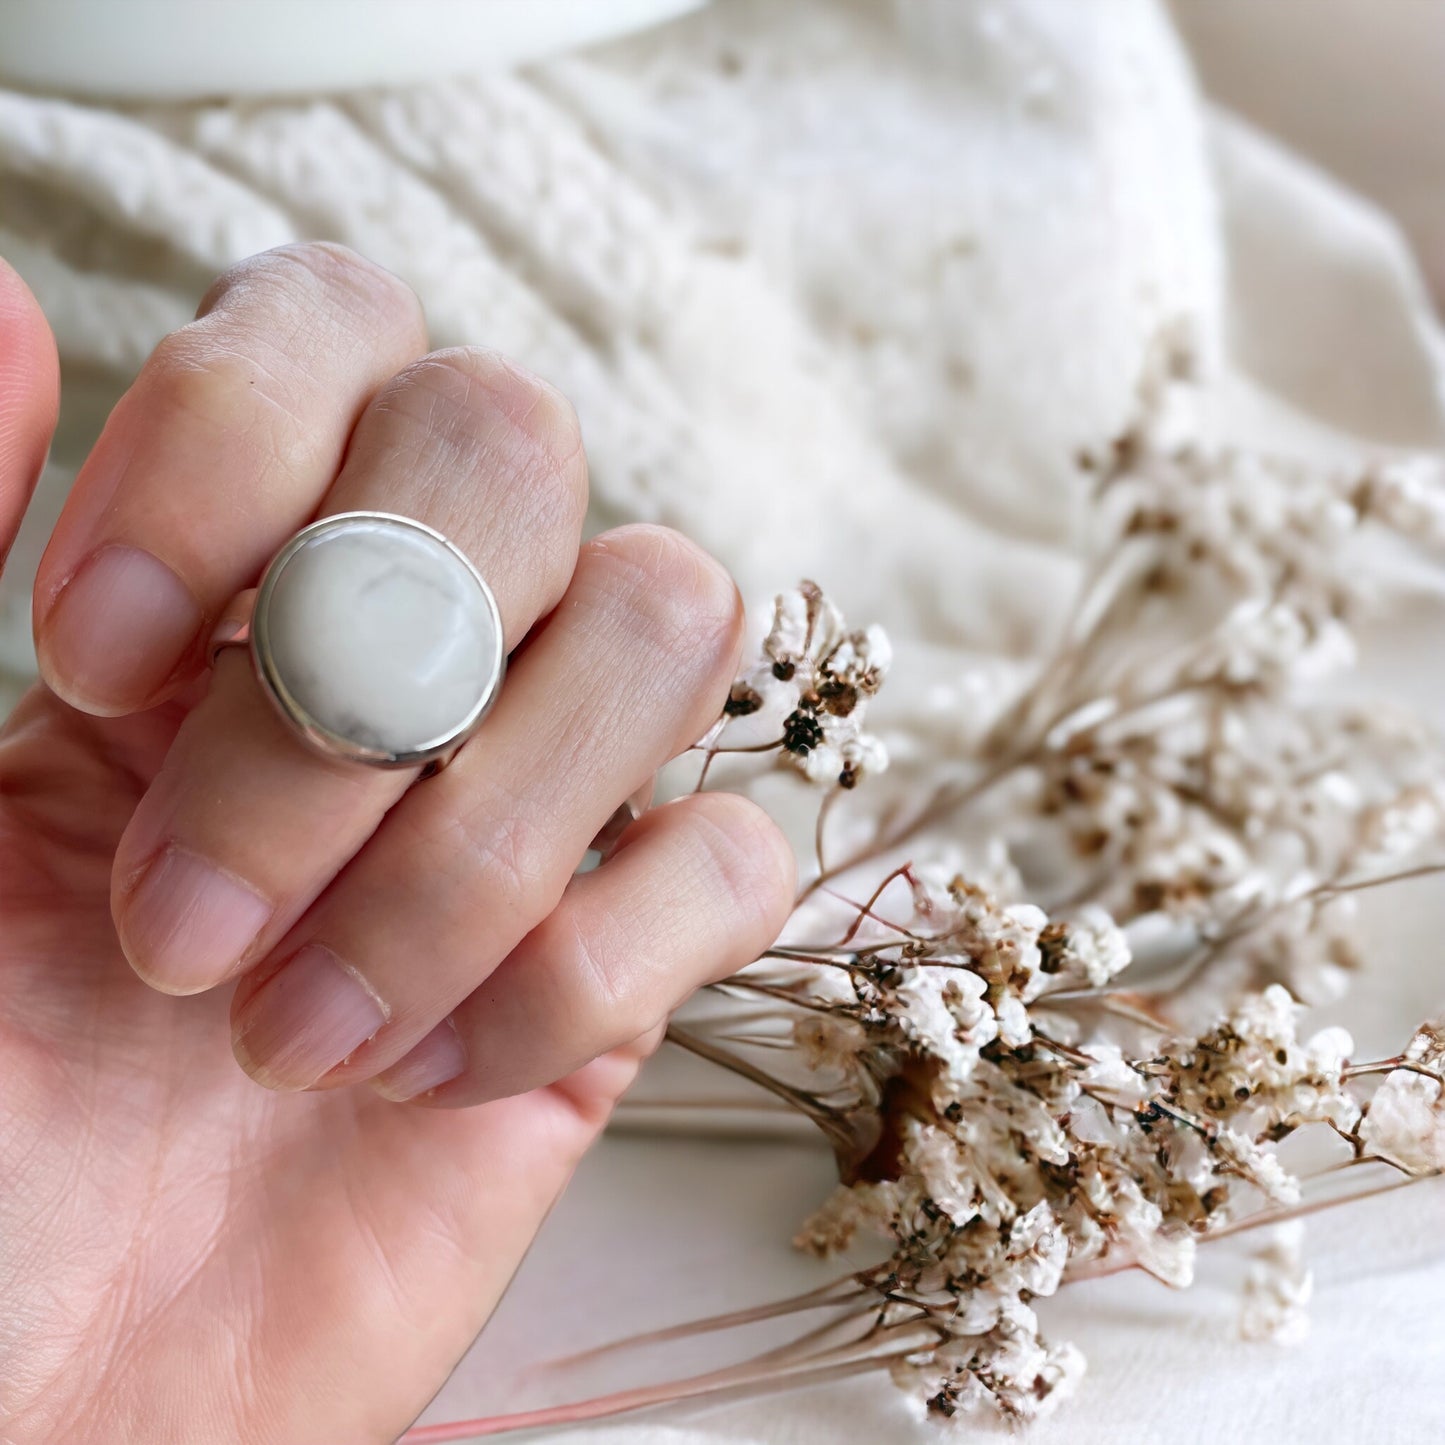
(432,754)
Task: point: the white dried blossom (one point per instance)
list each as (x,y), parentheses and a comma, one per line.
(816,678)
(1406,1122)
(1169,1256)
(843,752)
(1089,948)
(937,1157)
(942,1010)
(1408,495)
(1009,1367)
(1039,1249)
(1263,642)
(1427,1046)
(1278,1289)
(1254,1067)
(1114,1077)
(829,1040)
(834,1225)
(1260,1166)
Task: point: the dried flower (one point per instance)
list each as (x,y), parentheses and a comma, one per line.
(1008,1112)
(1278,1289)
(818,677)
(1406,1121)
(1047,1005)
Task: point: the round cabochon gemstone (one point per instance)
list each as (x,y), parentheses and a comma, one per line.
(380,633)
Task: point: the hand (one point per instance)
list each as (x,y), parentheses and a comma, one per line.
(184,1254)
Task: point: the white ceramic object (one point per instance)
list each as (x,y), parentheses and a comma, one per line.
(173,49)
(378,639)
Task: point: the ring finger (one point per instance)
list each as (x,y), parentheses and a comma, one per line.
(244,825)
(627,672)
(223,446)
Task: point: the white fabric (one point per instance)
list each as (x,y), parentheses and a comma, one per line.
(841,289)
(1353,83)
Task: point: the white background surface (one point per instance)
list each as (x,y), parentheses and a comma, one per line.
(838,288)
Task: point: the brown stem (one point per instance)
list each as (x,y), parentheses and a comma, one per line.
(832,1126)
(712,751)
(715,1383)
(754,1106)
(1265,1217)
(865,910)
(945,801)
(829,1296)
(1329,890)
(1321,893)
(782,995)
(824,809)
(1388,1066)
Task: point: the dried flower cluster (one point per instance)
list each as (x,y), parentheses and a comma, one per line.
(1171,798)
(814,682)
(1045,992)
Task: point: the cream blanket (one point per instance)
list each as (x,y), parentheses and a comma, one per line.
(842,290)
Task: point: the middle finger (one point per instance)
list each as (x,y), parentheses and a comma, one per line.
(245,825)
(628,671)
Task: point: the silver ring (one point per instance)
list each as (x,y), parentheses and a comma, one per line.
(375,638)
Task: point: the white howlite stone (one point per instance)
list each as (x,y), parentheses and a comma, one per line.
(382,635)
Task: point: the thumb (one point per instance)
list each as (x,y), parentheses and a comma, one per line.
(29,397)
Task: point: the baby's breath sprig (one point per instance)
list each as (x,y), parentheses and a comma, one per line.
(811,686)
(1044,994)
(1047,1007)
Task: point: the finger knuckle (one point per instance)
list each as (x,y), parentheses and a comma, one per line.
(675,596)
(512,853)
(320,274)
(232,394)
(751,863)
(463,391)
(598,986)
(189,372)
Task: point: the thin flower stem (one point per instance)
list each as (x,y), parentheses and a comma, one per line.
(1103,1268)
(824,809)
(802,955)
(752,1106)
(946,800)
(829,1296)
(717,752)
(1388,1066)
(865,910)
(782,995)
(824,1118)
(1329,890)
(951,797)
(1065,1051)
(712,751)
(1315,1206)
(1108,1000)
(1355,1162)
(623,1401)
(1322,893)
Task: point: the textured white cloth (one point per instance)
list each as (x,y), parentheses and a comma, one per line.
(842,290)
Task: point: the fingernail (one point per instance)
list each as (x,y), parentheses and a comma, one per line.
(117,630)
(304,1021)
(188,924)
(435,1061)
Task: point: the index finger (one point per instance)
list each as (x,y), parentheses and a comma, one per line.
(29,397)
(222,448)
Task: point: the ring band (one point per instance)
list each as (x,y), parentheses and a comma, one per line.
(233,627)
(410,588)
(374,637)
